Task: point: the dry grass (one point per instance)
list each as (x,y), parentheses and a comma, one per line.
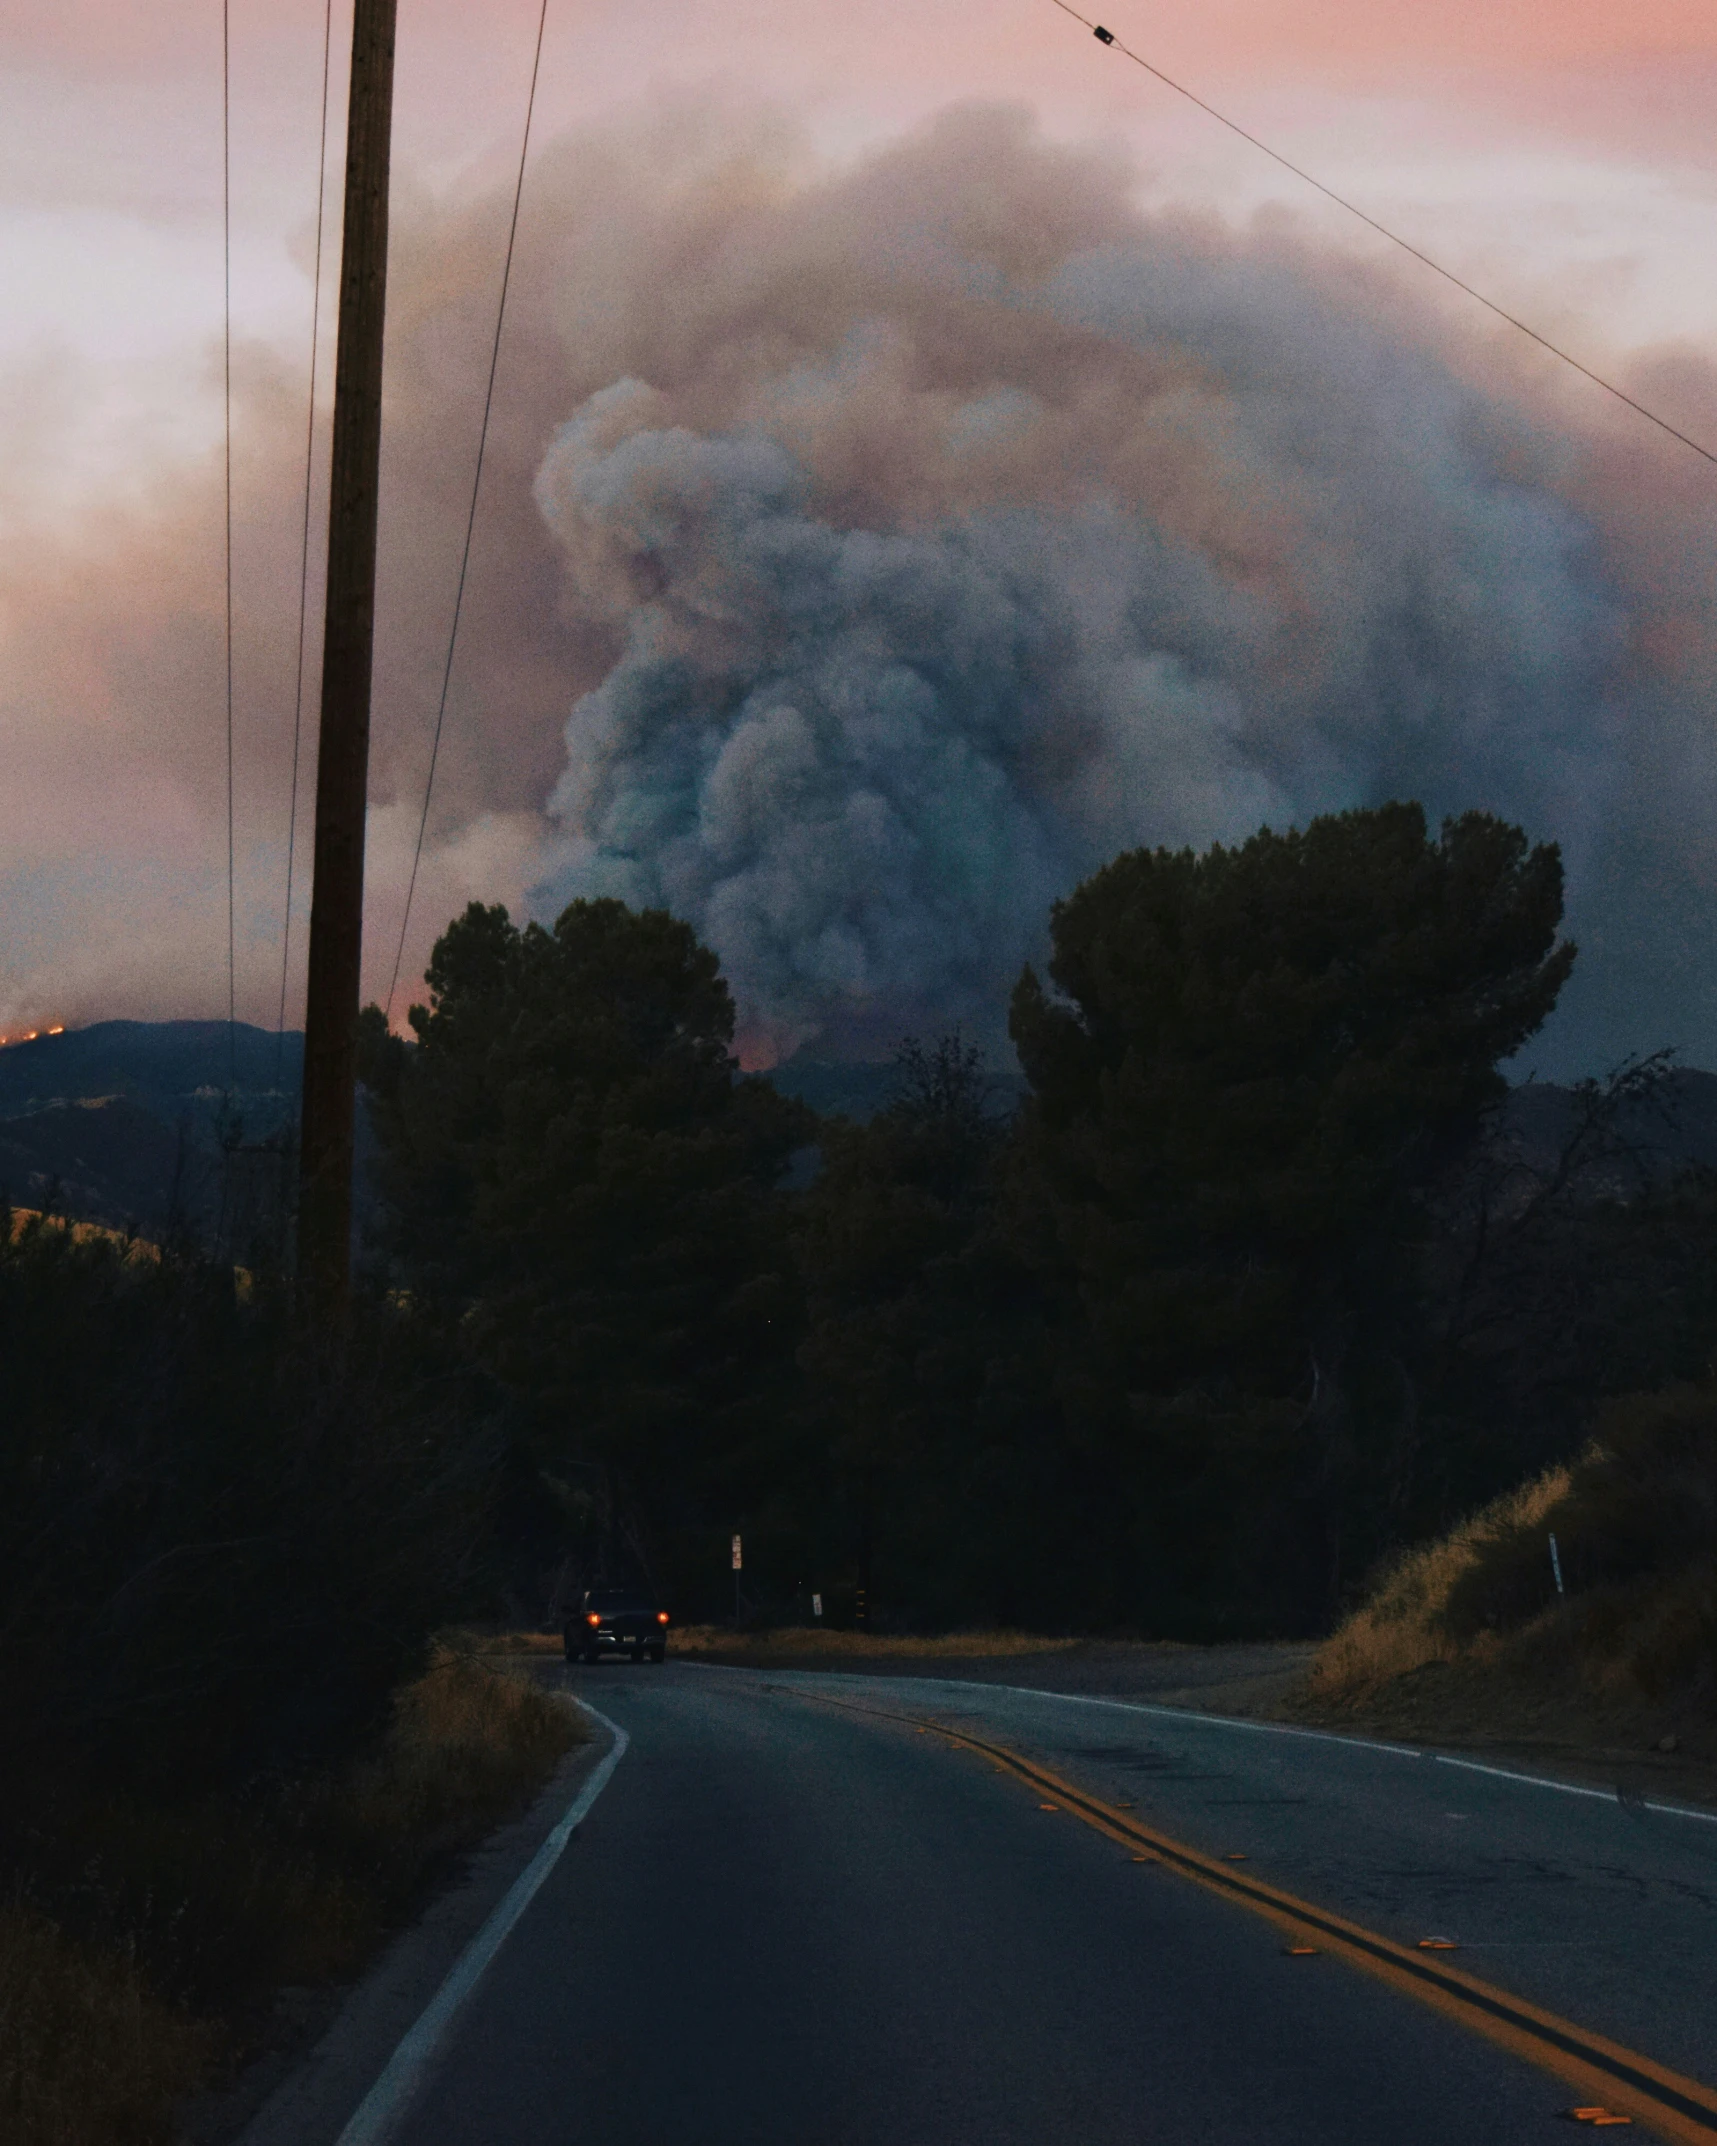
(786,1642)
(87,2055)
(467,1742)
(26,1218)
(526,1643)
(1466,1640)
(813,1640)
(225,1903)
(1403,1626)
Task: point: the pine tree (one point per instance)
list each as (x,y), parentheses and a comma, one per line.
(1254,1065)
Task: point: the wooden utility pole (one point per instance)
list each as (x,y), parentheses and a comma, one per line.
(342,769)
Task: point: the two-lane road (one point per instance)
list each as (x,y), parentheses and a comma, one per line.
(785,1921)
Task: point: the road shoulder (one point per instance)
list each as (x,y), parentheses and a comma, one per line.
(331,2045)
(1265,1681)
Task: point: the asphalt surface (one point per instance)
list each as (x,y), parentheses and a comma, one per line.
(786,1922)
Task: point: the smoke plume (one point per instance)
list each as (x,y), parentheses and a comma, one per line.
(868,552)
(969,527)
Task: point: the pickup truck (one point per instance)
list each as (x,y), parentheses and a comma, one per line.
(614,1621)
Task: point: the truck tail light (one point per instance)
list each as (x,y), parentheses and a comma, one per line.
(661,1616)
(591,1618)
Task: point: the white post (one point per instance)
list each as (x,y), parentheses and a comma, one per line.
(1556,1565)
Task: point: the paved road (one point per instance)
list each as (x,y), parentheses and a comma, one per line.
(1602,1911)
(784,1922)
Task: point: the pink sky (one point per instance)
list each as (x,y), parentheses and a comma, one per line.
(1561,156)
(1352,37)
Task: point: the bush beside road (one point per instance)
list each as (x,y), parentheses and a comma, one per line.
(195,1918)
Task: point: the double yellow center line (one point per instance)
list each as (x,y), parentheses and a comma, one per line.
(1612,2082)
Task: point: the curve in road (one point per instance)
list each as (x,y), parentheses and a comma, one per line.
(791,1922)
(1677,2108)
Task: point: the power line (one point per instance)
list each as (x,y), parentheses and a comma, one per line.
(1109,38)
(471,517)
(304,549)
(227,360)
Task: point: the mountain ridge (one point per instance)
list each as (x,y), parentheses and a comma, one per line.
(127,1122)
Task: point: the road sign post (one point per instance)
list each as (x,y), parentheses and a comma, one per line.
(738,1563)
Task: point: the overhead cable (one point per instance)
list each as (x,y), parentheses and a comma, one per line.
(1107,37)
(471,516)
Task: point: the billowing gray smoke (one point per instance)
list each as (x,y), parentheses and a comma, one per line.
(849,755)
(1176,543)
(919,532)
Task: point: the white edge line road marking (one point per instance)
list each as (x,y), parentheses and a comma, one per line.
(386,2101)
(1503,1773)
(1216,1721)
(1359,1743)
(1604,1795)
(1278,1728)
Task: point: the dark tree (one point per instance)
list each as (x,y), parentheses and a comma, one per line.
(1255,1064)
(218,1554)
(576,1168)
(893,1242)
(1575,1260)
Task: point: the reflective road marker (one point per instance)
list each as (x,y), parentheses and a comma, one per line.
(1633,2087)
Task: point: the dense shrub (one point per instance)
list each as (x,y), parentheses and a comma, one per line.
(1635,1521)
(577,1176)
(88,2056)
(221,1545)
(1640,1503)
(146,1937)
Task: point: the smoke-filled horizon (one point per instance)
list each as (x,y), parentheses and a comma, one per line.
(867,554)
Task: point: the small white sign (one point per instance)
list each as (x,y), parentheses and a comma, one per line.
(816,1605)
(738,1561)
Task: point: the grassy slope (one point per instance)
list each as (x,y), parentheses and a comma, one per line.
(298,1890)
(1466,1641)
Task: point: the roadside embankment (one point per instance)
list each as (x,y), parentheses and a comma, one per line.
(194,1930)
(1599,1655)
(232,1753)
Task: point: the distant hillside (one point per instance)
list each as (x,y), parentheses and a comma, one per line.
(172,1067)
(119,1122)
(1672,1128)
(108,1161)
(858,1089)
(1669,1129)
(125,1117)
(122,1122)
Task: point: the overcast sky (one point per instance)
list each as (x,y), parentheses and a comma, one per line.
(1559,157)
